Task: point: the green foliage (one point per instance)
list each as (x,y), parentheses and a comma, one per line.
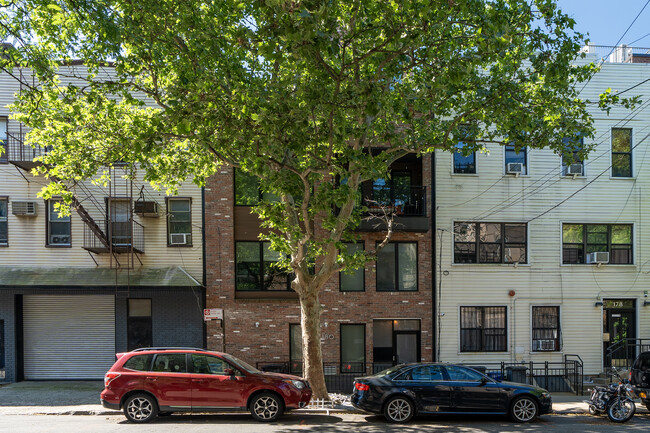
(293,92)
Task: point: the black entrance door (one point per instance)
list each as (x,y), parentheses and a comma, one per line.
(619,328)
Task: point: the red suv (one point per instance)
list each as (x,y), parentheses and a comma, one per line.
(157,381)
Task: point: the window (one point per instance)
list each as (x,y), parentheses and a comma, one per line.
(179,222)
(621,152)
(546,329)
(4,148)
(464,162)
(247,190)
(170,362)
(256,270)
(394,192)
(462,374)
(425,373)
(483,329)
(295,349)
(355,281)
(139,363)
(4,232)
(58,228)
(397,267)
(139,328)
(514,157)
(578,240)
(570,156)
(120,215)
(353,348)
(205,364)
(490,243)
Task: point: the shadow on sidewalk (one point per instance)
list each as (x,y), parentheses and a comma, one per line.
(51,393)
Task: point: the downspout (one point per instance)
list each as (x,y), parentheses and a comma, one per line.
(204,282)
(434,300)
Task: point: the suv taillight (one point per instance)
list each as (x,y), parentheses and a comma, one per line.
(361,386)
(109,377)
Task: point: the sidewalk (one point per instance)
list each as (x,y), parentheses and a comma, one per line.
(82,398)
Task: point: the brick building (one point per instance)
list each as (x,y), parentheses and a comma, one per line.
(378,315)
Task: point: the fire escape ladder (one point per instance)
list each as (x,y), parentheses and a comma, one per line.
(89,221)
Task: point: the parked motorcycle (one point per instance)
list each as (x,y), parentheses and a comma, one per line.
(617,400)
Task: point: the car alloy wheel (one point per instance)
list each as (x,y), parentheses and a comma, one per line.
(399,410)
(266,407)
(140,408)
(524,409)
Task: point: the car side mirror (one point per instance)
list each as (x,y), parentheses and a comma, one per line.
(229,371)
(484,380)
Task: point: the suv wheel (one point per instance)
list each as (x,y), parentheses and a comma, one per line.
(523,409)
(266,407)
(399,410)
(140,408)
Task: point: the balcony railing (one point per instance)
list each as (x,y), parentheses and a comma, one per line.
(21,154)
(619,54)
(124,237)
(409,201)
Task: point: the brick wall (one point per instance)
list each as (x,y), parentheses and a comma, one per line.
(258,329)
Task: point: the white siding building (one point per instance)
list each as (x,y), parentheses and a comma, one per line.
(124,271)
(516,282)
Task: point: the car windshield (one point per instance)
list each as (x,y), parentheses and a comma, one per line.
(249,368)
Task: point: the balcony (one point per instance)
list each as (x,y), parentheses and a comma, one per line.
(620,54)
(20,154)
(125,237)
(407,205)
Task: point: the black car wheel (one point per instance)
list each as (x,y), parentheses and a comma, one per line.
(399,410)
(140,408)
(266,407)
(523,409)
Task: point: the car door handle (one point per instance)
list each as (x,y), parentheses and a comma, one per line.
(151,378)
(199,380)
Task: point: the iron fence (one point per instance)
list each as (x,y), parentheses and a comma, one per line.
(562,376)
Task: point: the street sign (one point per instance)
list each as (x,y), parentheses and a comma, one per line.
(213,313)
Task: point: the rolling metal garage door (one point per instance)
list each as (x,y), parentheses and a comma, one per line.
(68,337)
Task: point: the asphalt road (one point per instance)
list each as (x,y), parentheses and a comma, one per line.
(295,423)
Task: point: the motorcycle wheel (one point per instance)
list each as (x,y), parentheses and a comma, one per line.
(621,410)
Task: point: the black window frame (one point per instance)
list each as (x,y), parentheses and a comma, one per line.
(48,228)
(481,329)
(261,267)
(398,269)
(362,270)
(629,154)
(540,329)
(583,248)
(6,221)
(170,215)
(344,364)
(4,143)
(511,148)
(574,151)
(476,244)
(295,365)
(162,354)
(471,167)
(130,321)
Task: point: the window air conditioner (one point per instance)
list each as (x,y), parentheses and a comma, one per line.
(598,257)
(24,208)
(56,240)
(515,168)
(543,345)
(179,238)
(574,170)
(146,208)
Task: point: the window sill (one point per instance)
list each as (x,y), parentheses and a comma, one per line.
(180,246)
(622,178)
(604,265)
(465,174)
(58,246)
(513,176)
(507,265)
(265,295)
(483,353)
(397,291)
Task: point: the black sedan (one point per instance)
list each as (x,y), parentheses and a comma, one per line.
(405,390)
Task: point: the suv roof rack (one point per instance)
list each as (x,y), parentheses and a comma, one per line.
(144,349)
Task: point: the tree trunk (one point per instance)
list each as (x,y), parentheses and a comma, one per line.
(312,357)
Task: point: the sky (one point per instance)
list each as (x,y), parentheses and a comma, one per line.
(607,20)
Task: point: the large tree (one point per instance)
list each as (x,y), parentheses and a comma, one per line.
(313,97)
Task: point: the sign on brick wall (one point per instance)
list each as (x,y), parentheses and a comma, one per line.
(213,313)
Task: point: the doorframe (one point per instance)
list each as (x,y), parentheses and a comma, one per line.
(418,334)
(603,311)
